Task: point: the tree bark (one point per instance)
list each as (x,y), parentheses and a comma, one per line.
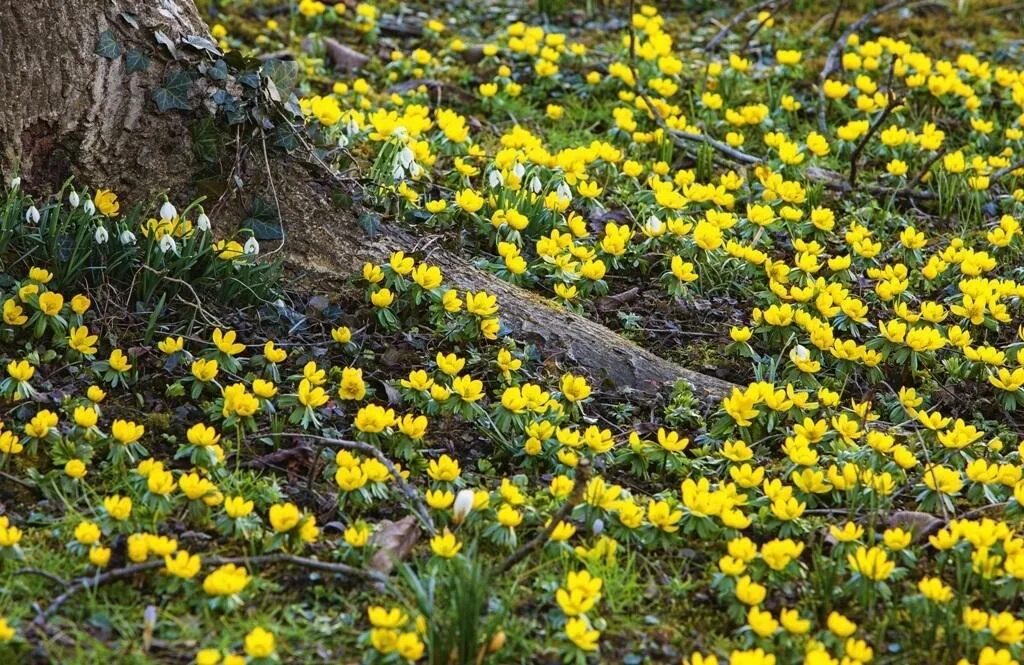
(68,110)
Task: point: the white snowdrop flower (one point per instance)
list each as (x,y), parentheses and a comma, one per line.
(101,236)
(495,179)
(32,215)
(598,526)
(167,244)
(203,222)
(406,157)
(399,132)
(126,237)
(168,211)
(351,128)
(800,352)
(74,199)
(415,170)
(519,170)
(252,246)
(89,207)
(342,141)
(15,182)
(535,185)
(654,225)
(398,173)
(463,505)
(564,192)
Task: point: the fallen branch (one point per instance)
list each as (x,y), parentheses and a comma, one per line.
(94,581)
(872,130)
(573,500)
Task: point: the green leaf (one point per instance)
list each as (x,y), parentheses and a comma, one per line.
(107,45)
(284,74)
(264,230)
(174,92)
(370,223)
(136,61)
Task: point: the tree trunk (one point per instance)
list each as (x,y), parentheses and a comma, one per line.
(72,108)
(68,110)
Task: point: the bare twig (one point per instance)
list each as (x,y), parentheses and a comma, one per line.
(834,53)
(875,126)
(582,476)
(408,490)
(733,22)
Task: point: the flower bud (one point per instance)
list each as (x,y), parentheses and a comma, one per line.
(74,199)
(252,246)
(463,505)
(167,211)
(101,236)
(127,237)
(15,182)
(495,179)
(32,215)
(497,641)
(89,207)
(203,222)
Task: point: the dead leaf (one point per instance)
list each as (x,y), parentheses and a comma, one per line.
(393,541)
(344,57)
(920,524)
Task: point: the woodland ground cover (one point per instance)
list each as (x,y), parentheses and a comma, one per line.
(206,458)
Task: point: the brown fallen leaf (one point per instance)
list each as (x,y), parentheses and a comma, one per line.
(344,57)
(921,525)
(393,541)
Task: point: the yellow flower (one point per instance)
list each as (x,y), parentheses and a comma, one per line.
(225,342)
(125,431)
(171,345)
(99,556)
(311,396)
(872,563)
(182,564)
(284,517)
(20,370)
(106,202)
(373,419)
(226,580)
(382,298)
(259,643)
(580,633)
(445,544)
(50,303)
(119,361)
(75,468)
(204,370)
(81,341)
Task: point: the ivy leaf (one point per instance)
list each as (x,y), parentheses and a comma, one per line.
(283,73)
(136,61)
(130,19)
(264,230)
(201,44)
(107,45)
(174,92)
(167,43)
(218,72)
(370,223)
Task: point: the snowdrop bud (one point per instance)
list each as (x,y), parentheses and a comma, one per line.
(167,244)
(519,170)
(127,237)
(654,226)
(463,505)
(74,199)
(203,222)
(32,215)
(342,141)
(598,526)
(495,179)
(535,185)
(89,207)
(167,211)
(800,352)
(351,127)
(564,192)
(251,246)
(15,182)
(101,236)
(415,170)
(398,173)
